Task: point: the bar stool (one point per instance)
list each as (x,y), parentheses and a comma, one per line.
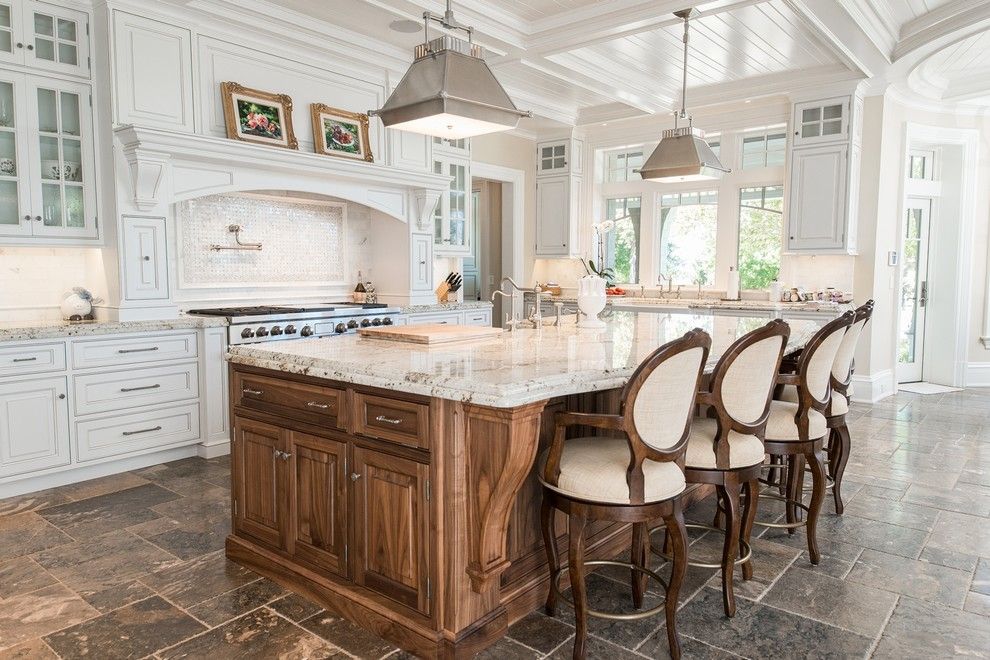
(796,431)
(633,479)
(842,372)
(726,450)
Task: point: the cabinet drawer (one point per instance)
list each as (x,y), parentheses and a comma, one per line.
(118,390)
(133,350)
(453,318)
(36,359)
(400,421)
(284,397)
(482,317)
(137,431)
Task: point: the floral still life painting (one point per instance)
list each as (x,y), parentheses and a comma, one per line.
(256,116)
(341,133)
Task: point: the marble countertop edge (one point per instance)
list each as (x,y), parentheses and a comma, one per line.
(55,329)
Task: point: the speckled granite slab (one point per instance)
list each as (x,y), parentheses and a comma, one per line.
(712,304)
(28,330)
(517,368)
(446,307)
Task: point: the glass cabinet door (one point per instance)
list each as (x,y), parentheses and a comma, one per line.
(62,200)
(57,38)
(9,27)
(14,201)
(451,218)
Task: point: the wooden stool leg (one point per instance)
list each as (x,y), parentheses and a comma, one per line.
(547,517)
(837,464)
(575,567)
(749,517)
(717,519)
(677,535)
(817,465)
(733,521)
(640,556)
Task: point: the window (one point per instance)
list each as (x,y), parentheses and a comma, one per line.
(921,165)
(687,237)
(765,149)
(621,241)
(760,229)
(622,165)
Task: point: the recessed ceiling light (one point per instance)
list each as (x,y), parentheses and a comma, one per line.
(405,26)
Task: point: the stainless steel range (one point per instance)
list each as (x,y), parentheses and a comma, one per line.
(250,325)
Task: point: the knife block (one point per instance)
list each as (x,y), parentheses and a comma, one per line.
(443,291)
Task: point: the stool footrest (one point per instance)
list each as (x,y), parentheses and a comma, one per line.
(555,585)
(781,498)
(747,554)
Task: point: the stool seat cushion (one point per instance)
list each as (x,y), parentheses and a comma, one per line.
(781,425)
(839,405)
(744,450)
(594,469)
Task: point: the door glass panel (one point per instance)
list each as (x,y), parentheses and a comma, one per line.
(4,16)
(811,115)
(44,49)
(832,127)
(44,25)
(9,214)
(74,211)
(832,112)
(6,105)
(911,278)
(67,54)
(438,211)
(8,154)
(66,30)
(70,113)
(72,160)
(47,111)
(51,201)
(51,166)
(810,130)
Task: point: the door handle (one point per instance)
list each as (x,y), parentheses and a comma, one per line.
(923,300)
(154,428)
(137,350)
(138,389)
(248,390)
(314,404)
(355,476)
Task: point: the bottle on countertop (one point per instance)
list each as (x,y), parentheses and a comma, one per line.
(776,290)
(370,293)
(360,294)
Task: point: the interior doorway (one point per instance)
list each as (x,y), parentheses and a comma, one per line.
(483,269)
(914,290)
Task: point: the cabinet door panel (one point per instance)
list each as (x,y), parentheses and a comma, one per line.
(817,203)
(392,527)
(145,267)
(56,38)
(15,186)
(260,481)
(34,425)
(319,502)
(422,262)
(552,216)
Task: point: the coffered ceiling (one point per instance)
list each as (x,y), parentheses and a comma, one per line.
(581,61)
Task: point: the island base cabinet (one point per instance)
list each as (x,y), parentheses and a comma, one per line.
(392,527)
(261,476)
(319,503)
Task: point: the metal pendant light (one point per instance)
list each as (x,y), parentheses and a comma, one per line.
(449,91)
(683,154)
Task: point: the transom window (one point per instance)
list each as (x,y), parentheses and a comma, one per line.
(764,149)
(621,240)
(760,227)
(921,165)
(621,166)
(688,223)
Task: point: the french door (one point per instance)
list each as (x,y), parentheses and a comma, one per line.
(914,291)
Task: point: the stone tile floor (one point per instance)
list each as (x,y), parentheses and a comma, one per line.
(132,565)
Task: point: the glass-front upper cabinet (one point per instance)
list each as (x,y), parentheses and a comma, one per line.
(826,120)
(37,34)
(47,161)
(452,217)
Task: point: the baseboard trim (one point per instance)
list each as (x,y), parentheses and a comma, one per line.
(873,387)
(978,374)
(213,449)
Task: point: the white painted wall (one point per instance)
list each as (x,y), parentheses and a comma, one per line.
(33,281)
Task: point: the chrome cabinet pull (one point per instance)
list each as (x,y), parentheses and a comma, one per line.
(387,420)
(355,476)
(143,387)
(30,359)
(156,428)
(284,455)
(248,390)
(137,350)
(316,404)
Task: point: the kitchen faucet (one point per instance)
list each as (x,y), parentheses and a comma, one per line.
(536,318)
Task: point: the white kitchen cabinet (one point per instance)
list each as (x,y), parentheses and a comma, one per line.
(817,198)
(117,435)
(44,36)
(152,66)
(47,161)
(461,147)
(21,360)
(34,425)
(452,216)
(132,388)
(421,265)
(555,157)
(557,215)
(821,121)
(478,317)
(145,265)
(133,349)
(442,318)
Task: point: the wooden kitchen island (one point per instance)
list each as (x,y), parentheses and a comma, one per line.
(396,485)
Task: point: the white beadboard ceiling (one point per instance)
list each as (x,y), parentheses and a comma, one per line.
(578,61)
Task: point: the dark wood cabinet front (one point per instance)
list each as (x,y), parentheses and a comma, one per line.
(392,527)
(261,465)
(319,499)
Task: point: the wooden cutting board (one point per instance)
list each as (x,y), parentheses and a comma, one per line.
(432,333)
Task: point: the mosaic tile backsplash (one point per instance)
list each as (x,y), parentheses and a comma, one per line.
(304,243)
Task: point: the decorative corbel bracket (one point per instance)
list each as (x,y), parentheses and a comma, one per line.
(148,169)
(425,202)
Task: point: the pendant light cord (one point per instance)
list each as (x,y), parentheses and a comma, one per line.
(684,77)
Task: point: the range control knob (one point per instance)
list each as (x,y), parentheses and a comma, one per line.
(276,330)
(387,320)
(365,323)
(306,331)
(376,321)
(340,328)
(290,329)
(247,333)
(352,324)
(262,331)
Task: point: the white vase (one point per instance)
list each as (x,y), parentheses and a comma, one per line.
(591,300)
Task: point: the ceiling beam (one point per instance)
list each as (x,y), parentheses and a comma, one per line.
(843,35)
(975,83)
(772,84)
(944,26)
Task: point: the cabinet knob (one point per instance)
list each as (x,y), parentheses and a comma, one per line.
(146,258)
(61,396)
(30,47)
(27,217)
(355,476)
(20,45)
(37,218)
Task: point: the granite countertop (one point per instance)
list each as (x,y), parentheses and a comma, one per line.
(28,330)
(517,368)
(445,307)
(713,304)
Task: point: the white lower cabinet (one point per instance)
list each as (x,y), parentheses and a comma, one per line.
(137,431)
(34,425)
(118,390)
(477,316)
(452,318)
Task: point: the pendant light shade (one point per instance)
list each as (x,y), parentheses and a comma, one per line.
(683,154)
(449,91)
